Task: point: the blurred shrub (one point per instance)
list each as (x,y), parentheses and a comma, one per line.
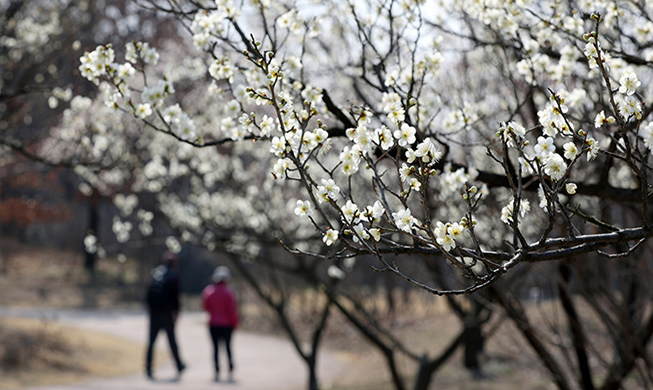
(22,348)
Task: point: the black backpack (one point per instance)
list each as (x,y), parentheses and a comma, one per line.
(157,292)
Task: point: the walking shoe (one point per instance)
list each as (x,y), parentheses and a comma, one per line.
(180,369)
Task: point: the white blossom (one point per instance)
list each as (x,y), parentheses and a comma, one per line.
(406,135)
(173,244)
(594,148)
(629,83)
(361,232)
(555,166)
(384,136)
(374,212)
(571,151)
(121,229)
(508,210)
(304,208)
(600,119)
(404,220)
(327,190)
(330,237)
(455,230)
(428,152)
(376,234)
(143,110)
(350,212)
(544,147)
(90,243)
(511,132)
(630,106)
(442,236)
(571,188)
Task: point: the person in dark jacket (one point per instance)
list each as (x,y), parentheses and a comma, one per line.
(219,301)
(163,307)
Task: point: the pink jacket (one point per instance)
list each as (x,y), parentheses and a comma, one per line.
(220,302)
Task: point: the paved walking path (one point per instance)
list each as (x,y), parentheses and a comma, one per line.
(262,362)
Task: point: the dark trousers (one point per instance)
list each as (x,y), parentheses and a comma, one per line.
(223,334)
(162,320)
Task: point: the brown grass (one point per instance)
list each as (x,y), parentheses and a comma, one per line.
(34,352)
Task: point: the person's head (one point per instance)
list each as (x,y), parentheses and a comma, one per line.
(221,274)
(170,259)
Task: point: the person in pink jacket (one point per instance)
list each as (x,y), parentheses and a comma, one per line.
(219,301)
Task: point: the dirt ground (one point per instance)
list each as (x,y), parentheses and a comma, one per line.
(43,277)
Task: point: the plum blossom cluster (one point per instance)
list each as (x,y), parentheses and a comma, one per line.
(363,224)
(508,212)
(136,52)
(595,54)
(145,218)
(90,243)
(207,26)
(446,234)
(561,143)
(96,63)
(32,31)
(126,204)
(296,143)
(544,157)
(360,224)
(99,64)
(117,80)
(452,181)
(180,122)
(122,229)
(556,123)
(512,133)
(299,143)
(629,104)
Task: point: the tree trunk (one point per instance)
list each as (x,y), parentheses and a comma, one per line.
(473,336)
(93,222)
(312,373)
(575,327)
(428,367)
(473,340)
